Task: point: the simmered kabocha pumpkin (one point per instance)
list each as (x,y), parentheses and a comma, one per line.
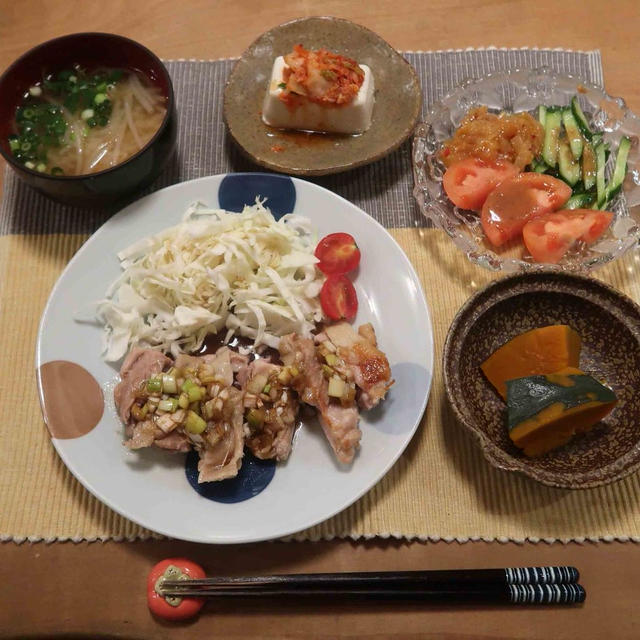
(539,351)
(546,411)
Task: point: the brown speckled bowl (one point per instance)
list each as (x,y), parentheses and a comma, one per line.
(609,324)
(395,113)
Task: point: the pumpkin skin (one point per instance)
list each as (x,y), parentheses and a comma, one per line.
(539,351)
(546,411)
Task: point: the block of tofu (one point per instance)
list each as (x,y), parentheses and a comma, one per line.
(354,117)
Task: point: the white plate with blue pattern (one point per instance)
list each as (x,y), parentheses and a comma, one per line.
(155,488)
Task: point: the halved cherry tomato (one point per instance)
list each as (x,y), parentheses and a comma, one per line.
(184,607)
(338,298)
(519,199)
(550,236)
(338,253)
(469,182)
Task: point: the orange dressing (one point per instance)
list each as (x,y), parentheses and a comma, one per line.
(516,137)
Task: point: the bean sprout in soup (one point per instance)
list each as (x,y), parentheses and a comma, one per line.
(76,122)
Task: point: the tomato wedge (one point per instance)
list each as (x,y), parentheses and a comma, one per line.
(338,253)
(173,608)
(549,237)
(338,298)
(468,183)
(517,200)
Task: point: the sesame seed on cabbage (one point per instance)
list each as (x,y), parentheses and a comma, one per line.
(242,273)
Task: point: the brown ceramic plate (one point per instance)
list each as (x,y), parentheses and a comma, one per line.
(397,106)
(609,324)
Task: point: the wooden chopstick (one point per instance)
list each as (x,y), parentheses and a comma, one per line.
(525,585)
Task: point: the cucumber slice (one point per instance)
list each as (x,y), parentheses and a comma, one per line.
(579,201)
(568,166)
(552,125)
(601,190)
(539,165)
(573,132)
(588,166)
(542,114)
(581,119)
(596,139)
(620,169)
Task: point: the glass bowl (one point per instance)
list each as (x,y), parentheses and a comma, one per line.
(514,91)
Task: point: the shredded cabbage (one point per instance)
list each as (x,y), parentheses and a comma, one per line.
(243,272)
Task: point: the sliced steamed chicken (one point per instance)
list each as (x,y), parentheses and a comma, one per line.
(138,366)
(221,443)
(271,409)
(191,404)
(338,414)
(143,431)
(356,356)
(218,403)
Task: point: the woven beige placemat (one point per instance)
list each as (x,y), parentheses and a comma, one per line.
(440,488)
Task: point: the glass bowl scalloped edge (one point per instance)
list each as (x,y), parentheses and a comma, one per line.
(518,90)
